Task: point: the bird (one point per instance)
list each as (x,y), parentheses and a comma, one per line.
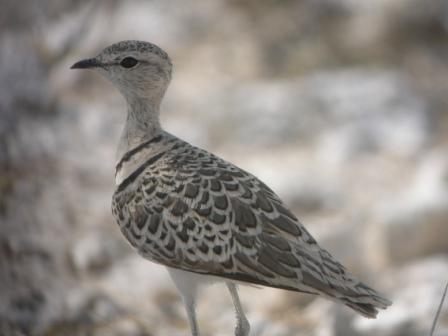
(202,217)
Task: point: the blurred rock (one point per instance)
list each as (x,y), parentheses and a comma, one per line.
(99,315)
(418,215)
(96,252)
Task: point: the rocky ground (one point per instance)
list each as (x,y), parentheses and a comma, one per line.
(339,105)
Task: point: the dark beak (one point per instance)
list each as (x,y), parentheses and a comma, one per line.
(86,64)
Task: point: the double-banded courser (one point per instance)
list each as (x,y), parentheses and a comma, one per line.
(202,217)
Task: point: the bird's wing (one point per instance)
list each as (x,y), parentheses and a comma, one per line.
(194,211)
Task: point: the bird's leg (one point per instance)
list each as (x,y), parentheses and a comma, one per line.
(191,314)
(242,324)
(188,290)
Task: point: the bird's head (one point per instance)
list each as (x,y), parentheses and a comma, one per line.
(140,70)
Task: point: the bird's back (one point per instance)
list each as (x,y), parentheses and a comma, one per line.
(185,208)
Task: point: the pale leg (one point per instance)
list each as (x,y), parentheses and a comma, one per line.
(242,324)
(187,286)
(191,314)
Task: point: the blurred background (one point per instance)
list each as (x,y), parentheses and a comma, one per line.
(341,106)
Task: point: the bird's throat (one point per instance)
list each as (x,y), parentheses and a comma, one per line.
(142,123)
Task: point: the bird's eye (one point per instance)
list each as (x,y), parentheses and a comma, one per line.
(128,62)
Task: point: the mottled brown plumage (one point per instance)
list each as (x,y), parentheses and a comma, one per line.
(191,210)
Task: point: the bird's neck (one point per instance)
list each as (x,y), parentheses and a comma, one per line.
(142,124)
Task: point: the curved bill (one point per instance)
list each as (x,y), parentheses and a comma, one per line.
(86,64)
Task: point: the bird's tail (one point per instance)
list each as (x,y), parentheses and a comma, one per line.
(366,304)
(337,284)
